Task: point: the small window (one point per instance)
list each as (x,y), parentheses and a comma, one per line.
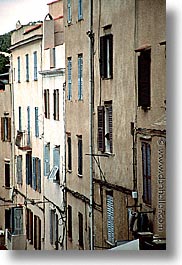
(80,76)
(80,156)
(46,104)
(6,129)
(80,230)
(7,174)
(56,104)
(144,61)
(106,56)
(80,9)
(69,153)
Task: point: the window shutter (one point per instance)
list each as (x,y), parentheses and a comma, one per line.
(80,221)
(54,105)
(148,173)
(56,162)
(20,120)
(19,169)
(18,220)
(28,125)
(69,79)
(46,159)
(80,10)
(103,55)
(36,121)
(28,169)
(39,175)
(110,36)
(27,67)
(80,165)
(144,79)
(110,217)
(2,129)
(34,177)
(101,128)
(69,11)
(110,127)
(69,154)
(18,69)
(80,76)
(35,66)
(9,129)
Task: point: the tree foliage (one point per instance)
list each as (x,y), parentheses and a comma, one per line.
(5,42)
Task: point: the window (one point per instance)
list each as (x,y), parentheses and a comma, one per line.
(146,165)
(144,61)
(53,228)
(20,119)
(6,129)
(69,222)
(29,169)
(18,59)
(69,153)
(69,78)
(80,231)
(19,169)
(29,225)
(47,159)
(35,65)
(36,174)
(105,127)
(28,125)
(27,67)
(80,77)
(80,9)
(69,18)
(7,174)
(55,172)
(110,216)
(80,156)
(36,122)
(46,104)
(106,56)
(56,104)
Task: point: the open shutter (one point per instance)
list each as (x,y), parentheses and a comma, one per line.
(110,217)
(110,37)
(36,121)
(69,11)
(101,128)
(110,127)
(35,66)
(148,173)
(19,169)
(103,56)
(28,125)
(80,158)
(144,79)
(34,177)
(2,129)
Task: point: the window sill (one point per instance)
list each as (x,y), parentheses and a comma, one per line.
(69,171)
(110,243)
(80,176)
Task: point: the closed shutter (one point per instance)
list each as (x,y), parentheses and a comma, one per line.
(18,220)
(80,158)
(101,128)
(46,159)
(20,120)
(144,79)
(110,217)
(80,77)
(9,129)
(36,122)
(27,67)
(28,125)
(149,173)
(18,69)
(146,163)
(19,169)
(80,10)
(2,129)
(69,79)
(39,176)
(69,154)
(103,56)
(110,127)
(35,66)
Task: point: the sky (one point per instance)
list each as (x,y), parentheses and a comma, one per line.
(24,10)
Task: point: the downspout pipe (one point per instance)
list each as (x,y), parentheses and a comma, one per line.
(91,82)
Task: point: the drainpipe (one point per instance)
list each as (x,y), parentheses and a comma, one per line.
(91,56)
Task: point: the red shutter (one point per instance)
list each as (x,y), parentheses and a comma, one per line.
(101,129)
(144,79)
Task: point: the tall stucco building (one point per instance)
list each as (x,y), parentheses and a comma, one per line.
(123,35)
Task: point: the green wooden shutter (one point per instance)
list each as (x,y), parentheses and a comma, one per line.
(69,18)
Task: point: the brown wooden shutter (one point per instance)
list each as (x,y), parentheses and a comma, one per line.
(101,128)
(144,79)
(9,129)
(103,55)
(2,129)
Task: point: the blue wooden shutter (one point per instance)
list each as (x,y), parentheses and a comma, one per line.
(39,176)
(110,217)
(28,125)
(69,11)
(27,67)
(36,121)
(19,169)
(56,162)
(18,69)
(34,177)
(69,78)
(35,66)
(80,10)
(20,120)
(46,159)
